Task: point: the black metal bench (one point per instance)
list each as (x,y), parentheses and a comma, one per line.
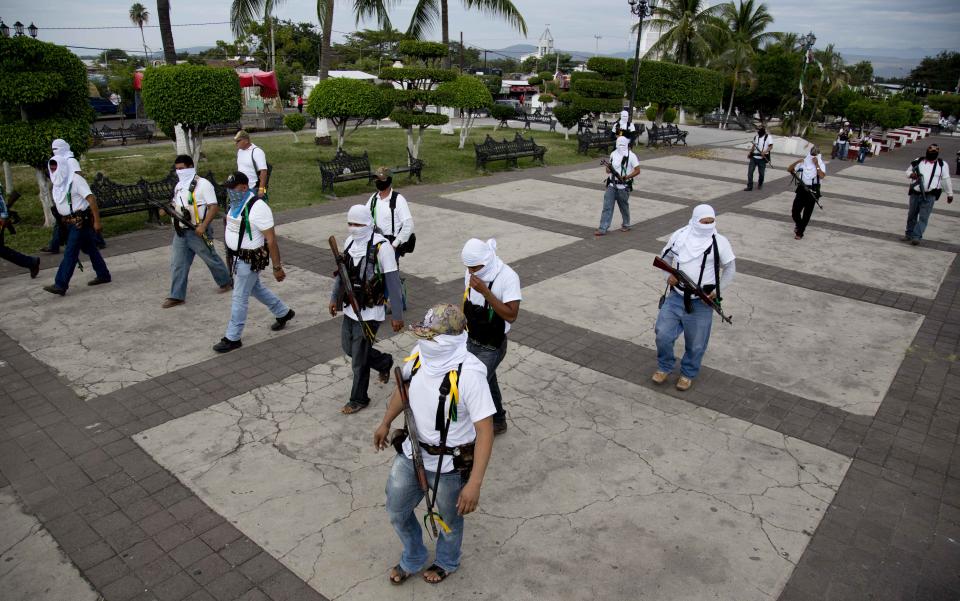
(539,117)
(120,199)
(601,140)
(222,129)
(589,125)
(414,167)
(137,131)
(508,150)
(344,167)
(668,133)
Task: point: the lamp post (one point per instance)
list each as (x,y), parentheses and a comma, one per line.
(18,28)
(33,30)
(640,8)
(4,29)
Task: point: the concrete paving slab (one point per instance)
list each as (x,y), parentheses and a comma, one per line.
(711,168)
(885,175)
(32,565)
(838,255)
(570,204)
(878,191)
(827,348)
(780,160)
(680,186)
(441,236)
(660,495)
(102,339)
(942,227)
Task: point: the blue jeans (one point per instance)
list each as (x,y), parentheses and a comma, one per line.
(756,163)
(181,257)
(403,496)
(491,358)
(918,214)
(842,151)
(17,258)
(246,283)
(674,320)
(79,239)
(54,243)
(862,154)
(622,199)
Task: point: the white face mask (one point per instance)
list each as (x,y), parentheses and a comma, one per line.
(360,231)
(186,175)
(485,273)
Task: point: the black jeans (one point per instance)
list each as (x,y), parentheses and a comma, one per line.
(803,205)
(16,258)
(491,358)
(363,357)
(758,164)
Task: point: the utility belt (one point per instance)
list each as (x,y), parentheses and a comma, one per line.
(935,193)
(628,186)
(485,346)
(179,229)
(257,258)
(78,219)
(462,455)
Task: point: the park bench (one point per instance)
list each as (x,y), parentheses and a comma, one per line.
(137,131)
(222,129)
(539,117)
(668,133)
(345,167)
(507,150)
(601,140)
(588,125)
(120,199)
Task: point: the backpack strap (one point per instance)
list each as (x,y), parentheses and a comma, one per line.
(448,387)
(393,208)
(245,223)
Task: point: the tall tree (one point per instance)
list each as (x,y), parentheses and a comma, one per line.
(428,12)
(687,29)
(166,32)
(833,77)
(245,12)
(941,72)
(746,32)
(139,16)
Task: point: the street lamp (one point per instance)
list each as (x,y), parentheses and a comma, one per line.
(18,28)
(4,29)
(33,30)
(640,8)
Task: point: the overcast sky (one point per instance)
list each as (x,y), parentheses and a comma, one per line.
(888,25)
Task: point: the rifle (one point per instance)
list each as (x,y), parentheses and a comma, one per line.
(916,171)
(418,467)
(347,289)
(13,217)
(714,304)
(616,176)
(753,146)
(806,188)
(169,210)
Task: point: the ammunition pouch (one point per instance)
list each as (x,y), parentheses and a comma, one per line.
(176,224)
(462,455)
(78,219)
(257,258)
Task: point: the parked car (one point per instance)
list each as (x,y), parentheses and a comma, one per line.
(511,102)
(102,106)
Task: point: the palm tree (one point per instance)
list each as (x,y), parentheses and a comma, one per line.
(833,77)
(166,32)
(428,12)
(687,26)
(139,16)
(737,62)
(748,23)
(787,40)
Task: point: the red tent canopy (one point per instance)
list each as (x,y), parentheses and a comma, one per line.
(265,79)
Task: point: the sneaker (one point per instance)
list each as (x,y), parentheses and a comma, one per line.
(55,290)
(684,383)
(499,428)
(748,189)
(226,288)
(915,241)
(905,238)
(659,377)
(282,321)
(35,268)
(226,345)
(170,302)
(97,281)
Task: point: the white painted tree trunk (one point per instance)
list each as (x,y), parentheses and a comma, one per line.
(181,139)
(46,198)
(447,128)
(323,130)
(341,133)
(7,177)
(566,133)
(466,122)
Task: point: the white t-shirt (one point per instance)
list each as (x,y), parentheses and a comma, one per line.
(79,190)
(506,287)
(760,145)
(692,268)
(203,195)
(933,176)
(388,263)
(616,160)
(475,405)
(261,218)
(807,171)
(400,224)
(245,163)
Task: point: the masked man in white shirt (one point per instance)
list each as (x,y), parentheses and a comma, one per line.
(251,245)
(194,201)
(758,155)
(391,214)
(252,162)
(811,171)
(929,177)
(372,269)
(626,165)
(624,127)
(707,258)
(452,410)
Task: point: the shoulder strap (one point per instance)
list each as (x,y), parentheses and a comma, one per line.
(449,386)
(716,265)
(393,208)
(253,158)
(245,222)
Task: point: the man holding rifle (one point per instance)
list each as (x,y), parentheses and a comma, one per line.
(443,453)
(705,260)
(195,203)
(759,156)
(622,168)
(929,176)
(808,178)
(369,265)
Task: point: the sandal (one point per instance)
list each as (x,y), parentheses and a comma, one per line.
(440,573)
(353,407)
(398,576)
(599,233)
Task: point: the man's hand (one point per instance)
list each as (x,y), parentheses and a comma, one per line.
(97,226)
(279,274)
(200,231)
(712,295)
(380,437)
(397,325)
(672,280)
(479,285)
(469,498)
(332,307)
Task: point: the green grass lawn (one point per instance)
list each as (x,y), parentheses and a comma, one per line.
(296,178)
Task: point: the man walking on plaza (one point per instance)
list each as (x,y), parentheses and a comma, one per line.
(809,175)
(372,268)
(929,176)
(391,214)
(17,258)
(623,167)
(195,201)
(491,302)
(60,180)
(252,162)
(451,408)
(251,245)
(706,258)
(759,154)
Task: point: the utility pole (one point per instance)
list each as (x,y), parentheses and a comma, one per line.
(484,62)
(597,37)
(461,53)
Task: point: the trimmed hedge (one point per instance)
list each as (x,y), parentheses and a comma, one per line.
(502,111)
(194,95)
(423,50)
(598,88)
(672,85)
(578,75)
(406,118)
(410,74)
(295,122)
(341,98)
(465,92)
(608,67)
(567,116)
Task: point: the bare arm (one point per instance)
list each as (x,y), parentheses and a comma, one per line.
(508,311)
(793,166)
(95,210)
(271,237)
(394,408)
(470,495)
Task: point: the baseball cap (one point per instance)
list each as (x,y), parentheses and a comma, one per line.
(383,173)
(440,319)
(242,135)
(235,179)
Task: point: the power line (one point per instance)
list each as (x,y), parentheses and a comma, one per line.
(134,26)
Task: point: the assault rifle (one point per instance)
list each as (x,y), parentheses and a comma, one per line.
(688,284)
(169,210)
(346,288)
(806,188)
(916,171)
(766,157)
(616,176)
(418,467)
(13,218)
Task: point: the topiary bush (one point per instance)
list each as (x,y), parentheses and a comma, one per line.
(340,99)
(295,122)
(502,111)
(546,98)
(568,117)
(608,67)
(469,94)
(535,80)
(669,84)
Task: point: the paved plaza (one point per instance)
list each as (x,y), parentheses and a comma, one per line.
(816,456)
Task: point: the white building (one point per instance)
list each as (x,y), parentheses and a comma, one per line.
(649,37)
(544,46)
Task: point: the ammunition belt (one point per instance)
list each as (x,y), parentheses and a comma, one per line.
(77,219)
(257,258)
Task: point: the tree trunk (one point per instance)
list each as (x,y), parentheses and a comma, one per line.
(733,92)
(46,199)
(447,128)
(341,133)
(465,122)
(410,145)
(166,32)
(322,135)
(146,58)
(273,48)
(180,135)
(7,178)
(445,32)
